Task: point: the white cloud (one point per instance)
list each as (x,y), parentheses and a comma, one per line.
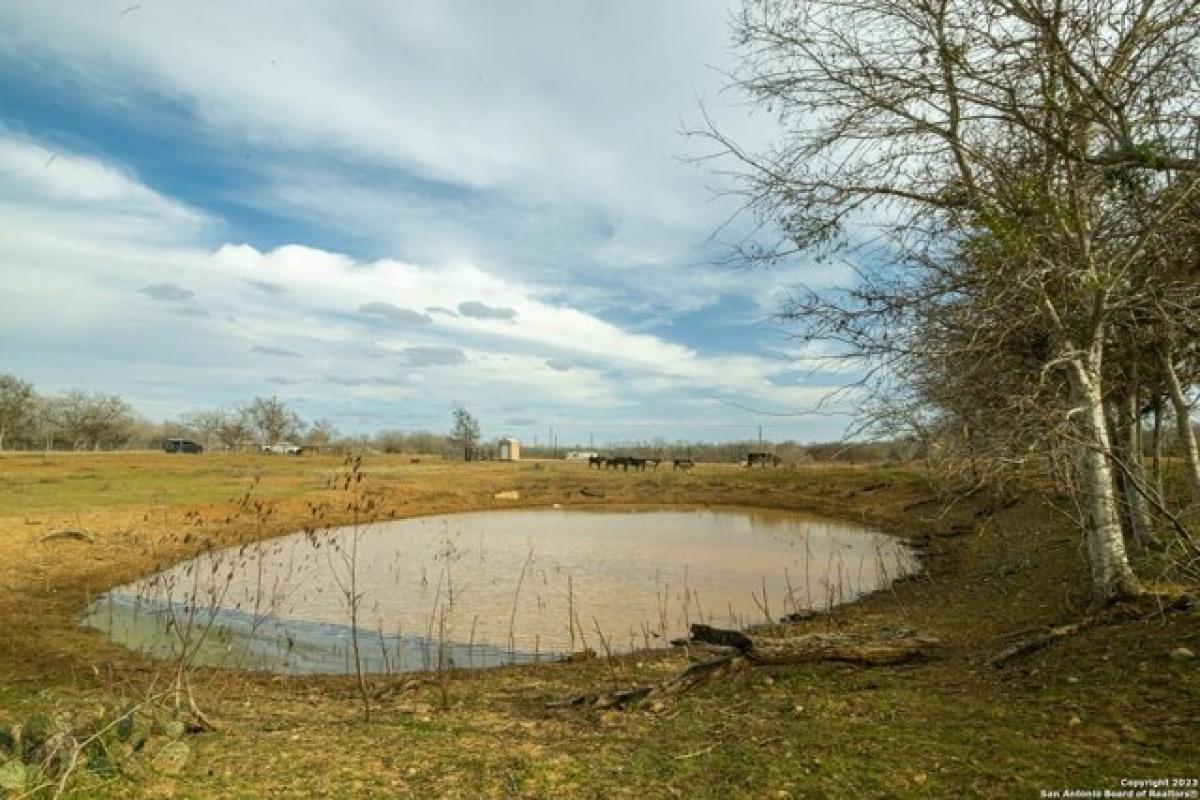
(175,324)
(473,95)
(97,198)
(503,178)
(561,123)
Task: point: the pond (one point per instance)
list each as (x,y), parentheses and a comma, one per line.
(495,587)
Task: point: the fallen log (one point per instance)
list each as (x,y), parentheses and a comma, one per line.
(743,649)
(894,648)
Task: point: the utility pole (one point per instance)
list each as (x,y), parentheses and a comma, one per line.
(591,441)
(760,437)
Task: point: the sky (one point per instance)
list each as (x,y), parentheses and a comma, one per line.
(379,211)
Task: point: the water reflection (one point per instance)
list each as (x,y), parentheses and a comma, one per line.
(486,588)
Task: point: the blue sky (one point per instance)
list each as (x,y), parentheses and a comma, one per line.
(377,211)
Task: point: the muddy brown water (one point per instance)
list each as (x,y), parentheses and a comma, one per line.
(494,587)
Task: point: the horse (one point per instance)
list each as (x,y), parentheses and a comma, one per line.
(682,463)
(598,462)
(762,460)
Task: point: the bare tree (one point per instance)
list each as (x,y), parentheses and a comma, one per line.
(272,420)
(17,405)
(320,432)
(87,420)
(206,424)
(972,156)
(230,426)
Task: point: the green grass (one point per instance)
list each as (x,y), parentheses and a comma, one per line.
(34,484)
(954,727)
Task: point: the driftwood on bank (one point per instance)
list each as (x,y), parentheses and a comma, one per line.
(894,648)
(739,649)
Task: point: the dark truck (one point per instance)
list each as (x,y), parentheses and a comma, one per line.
(182,446)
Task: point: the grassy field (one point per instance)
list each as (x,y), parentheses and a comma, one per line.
(1108,704)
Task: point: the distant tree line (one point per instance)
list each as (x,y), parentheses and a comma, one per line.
(74,420)
(262,421)
(79,420)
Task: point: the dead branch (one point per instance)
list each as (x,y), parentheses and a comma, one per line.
(78,536)
(694,675)
(1115,615)
(204,722)
(1040,641)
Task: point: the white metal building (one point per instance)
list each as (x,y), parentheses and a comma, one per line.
(510,450)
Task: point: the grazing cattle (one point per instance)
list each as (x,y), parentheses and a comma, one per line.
(599,462)
(762,460)
(627,463)
(683,463)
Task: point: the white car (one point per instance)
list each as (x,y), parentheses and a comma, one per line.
(283,449)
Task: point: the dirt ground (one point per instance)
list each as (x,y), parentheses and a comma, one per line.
(1109,704)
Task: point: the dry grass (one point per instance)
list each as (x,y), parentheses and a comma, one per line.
(1107,705)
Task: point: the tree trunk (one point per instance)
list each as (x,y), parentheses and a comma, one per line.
(1183,422)
(1134,471)
(1112,577)
(1156,451)
(1114,419)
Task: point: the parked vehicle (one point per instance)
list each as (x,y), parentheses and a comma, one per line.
(182,446)
(283,449)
